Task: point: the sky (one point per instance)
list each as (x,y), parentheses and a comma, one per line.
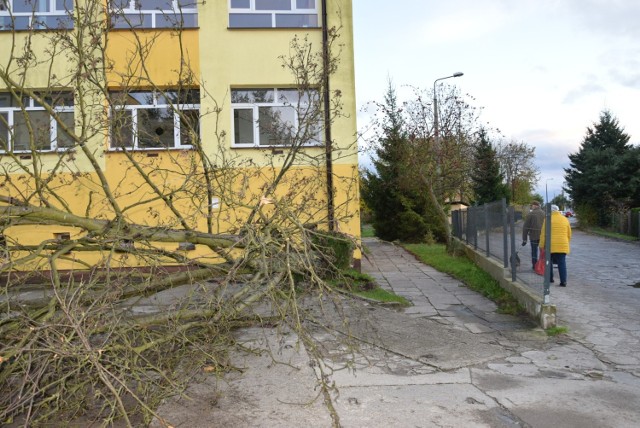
(541,70)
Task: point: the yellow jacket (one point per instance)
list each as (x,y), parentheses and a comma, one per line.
(560,233)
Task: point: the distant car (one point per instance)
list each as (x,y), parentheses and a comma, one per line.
(568,213)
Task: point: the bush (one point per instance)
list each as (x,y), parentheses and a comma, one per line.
(587,215)
(411,227)
(337,251)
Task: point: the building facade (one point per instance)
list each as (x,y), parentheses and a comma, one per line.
(177,115)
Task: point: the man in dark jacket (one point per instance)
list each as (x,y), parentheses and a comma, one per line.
(532,227)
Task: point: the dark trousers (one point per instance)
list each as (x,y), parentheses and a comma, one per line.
(534,252)
(559,259)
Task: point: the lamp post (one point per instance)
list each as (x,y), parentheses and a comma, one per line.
(435,105)
(546,193)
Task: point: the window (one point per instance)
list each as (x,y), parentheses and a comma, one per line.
(24,122)
(275,117)
(153,13)
(153,120)
(36,14)
(273,13)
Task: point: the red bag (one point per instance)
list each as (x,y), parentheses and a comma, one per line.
(539,267)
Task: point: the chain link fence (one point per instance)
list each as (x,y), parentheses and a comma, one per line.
(495,229)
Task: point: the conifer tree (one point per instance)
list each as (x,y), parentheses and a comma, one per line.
(603,173)
(392,206)
(488,181)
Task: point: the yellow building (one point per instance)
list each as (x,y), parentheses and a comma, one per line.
(179,115)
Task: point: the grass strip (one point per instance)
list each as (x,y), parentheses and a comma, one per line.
(609,234)
(363,285)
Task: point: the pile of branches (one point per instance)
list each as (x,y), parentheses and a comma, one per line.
(110,345)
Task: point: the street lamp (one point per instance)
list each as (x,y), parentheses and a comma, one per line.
(546,193)
(435,105)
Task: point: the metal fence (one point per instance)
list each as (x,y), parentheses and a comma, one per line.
(626,222)
(496,230)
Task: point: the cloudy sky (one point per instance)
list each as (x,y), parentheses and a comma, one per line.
(542,70)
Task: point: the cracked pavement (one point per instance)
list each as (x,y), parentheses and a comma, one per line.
(449,360)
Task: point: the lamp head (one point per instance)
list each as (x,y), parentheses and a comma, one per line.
(458,74)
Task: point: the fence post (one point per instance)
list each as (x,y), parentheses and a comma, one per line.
(486,229)
(454,224)
(514,254)
(547,254)
(505,231)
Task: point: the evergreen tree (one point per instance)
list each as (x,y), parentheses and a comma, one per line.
(488,182)
(393,207)
(603,174)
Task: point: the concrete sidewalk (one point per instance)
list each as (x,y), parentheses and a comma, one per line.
(449,360)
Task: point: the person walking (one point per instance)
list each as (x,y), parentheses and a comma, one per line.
(532,227)
(560,243)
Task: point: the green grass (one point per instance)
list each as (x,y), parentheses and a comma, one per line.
(367,231)
(469,273)
(556,331)
(609,234)
(363,285)
(381,295)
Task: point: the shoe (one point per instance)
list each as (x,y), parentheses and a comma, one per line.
(563,284)
(551,280)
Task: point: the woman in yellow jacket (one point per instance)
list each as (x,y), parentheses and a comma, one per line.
(560,239)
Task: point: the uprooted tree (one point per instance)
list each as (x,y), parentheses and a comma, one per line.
(98,214)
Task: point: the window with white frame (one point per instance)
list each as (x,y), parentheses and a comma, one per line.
(25,125)
(153,13)
(273,13)
(36,15)
(155,120)
(275,117)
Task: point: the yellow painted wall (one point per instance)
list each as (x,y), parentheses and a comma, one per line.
(152,58)
(220,58)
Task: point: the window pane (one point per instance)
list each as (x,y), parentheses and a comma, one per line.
(243,126)
(5,100)
(306,4)
(153,5)
(121,128)
(170,20)
(64,5)
(240,4)
(59,22)
(276,125)
(188,96)
(30,6)
(119,4)
(273,4)
(189,127)
(288,96)
(4,131)
(60,99)
(133,98)
(296,20)
(41,126)
(18,23)
(249,20)
(131,20)
(155,128)
(252,96)
(187,4)
(63,138)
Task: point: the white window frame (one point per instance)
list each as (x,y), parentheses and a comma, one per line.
(255,108)
(131,9)
(30,106)
(9,18)
(294,10)
(176,108)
